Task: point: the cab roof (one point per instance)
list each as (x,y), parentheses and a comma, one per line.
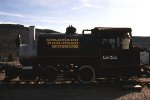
(111,30)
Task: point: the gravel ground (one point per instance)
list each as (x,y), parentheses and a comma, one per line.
(71,92)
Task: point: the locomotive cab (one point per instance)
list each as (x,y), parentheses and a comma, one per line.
(117,55)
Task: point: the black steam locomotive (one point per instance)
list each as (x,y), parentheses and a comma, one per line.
(83,57)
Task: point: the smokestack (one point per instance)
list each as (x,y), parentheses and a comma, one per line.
(31,34)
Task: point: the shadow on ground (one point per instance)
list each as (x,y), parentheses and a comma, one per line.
(99,91)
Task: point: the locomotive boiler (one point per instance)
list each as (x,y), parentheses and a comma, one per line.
(83,57)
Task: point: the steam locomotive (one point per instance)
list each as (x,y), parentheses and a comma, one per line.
(83,57)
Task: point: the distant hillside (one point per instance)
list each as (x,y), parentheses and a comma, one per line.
(8,33)
(141,41)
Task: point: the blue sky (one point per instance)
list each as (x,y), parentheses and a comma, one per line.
(83,14)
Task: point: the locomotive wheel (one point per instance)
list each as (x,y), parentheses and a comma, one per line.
(86,74)
(28,74)
(49,74)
